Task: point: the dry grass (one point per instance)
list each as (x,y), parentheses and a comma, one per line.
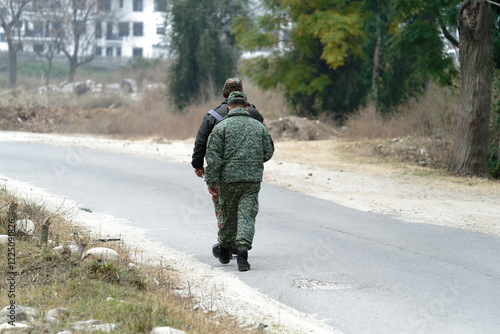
(140,297)
(433,115)
(153,114)
(418,133)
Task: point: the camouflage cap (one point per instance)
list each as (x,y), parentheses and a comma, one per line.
(237,96)
(232,85)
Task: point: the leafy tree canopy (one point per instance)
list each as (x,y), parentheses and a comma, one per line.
(202,45)
(328,49)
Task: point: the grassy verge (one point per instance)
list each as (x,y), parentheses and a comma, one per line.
(134,297)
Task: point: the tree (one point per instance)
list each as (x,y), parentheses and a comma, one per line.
(342,53)
(320,55)
(202,47)
(47,17)
(470,147)
(75,31)
(10,21)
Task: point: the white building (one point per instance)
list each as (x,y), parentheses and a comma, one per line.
(137,29)
(120,28)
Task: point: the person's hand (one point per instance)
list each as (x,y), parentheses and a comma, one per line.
(199,171)
(213,191)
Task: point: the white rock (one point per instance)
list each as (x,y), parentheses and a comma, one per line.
(6,328)
(104,327)
(166,330)
(93,325)
(22,312)
(51,321)
(57,312)
(76,249)
(25,226)
(4,239)
(102,253)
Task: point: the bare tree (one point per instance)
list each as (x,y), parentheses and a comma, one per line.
(470,147)
(77,31)
(10,14)
(46,38)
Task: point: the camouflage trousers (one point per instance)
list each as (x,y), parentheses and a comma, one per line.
(215,199)
(239,205)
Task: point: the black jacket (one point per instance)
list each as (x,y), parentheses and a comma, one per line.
(207,125)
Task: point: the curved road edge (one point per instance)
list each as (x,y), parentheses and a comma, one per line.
(210,286)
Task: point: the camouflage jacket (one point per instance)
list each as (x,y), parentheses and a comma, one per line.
(206,127)
(237,149)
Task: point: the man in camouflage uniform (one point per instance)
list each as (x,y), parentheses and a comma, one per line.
(210,119)
(236,151)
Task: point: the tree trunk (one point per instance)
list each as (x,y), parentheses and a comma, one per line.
(376,63)
(12,64)
(73,64)
(308,105)
(376,68)
(470,147)
(49,70)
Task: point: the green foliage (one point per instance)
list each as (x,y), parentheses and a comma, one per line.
(36,69)
(326,60)
(202,45)
(319,52)
(113,273)
(140,63)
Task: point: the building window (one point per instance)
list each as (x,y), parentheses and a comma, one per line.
(123,29)
(57,29)
(118,51)
(104,4)
(137,52)
(160,29)
(79,27)
(137,5)
(38,48)
(98,51)
(2,37)
(160,5)
(56,4)
(79,4)
(37,5)
(38,29)
(138,29)
(109,30)
(109,51)
(121,3)
(29,29)
(47,29)
(98,29)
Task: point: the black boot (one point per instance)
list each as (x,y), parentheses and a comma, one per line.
(223,254)
(242,258)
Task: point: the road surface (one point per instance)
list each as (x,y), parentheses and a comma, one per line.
(359,272)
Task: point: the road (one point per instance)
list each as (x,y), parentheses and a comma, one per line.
(359,272)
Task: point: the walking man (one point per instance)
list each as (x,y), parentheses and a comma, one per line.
(210,119)
(236,151)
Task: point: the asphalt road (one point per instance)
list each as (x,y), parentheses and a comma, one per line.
(360,272)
